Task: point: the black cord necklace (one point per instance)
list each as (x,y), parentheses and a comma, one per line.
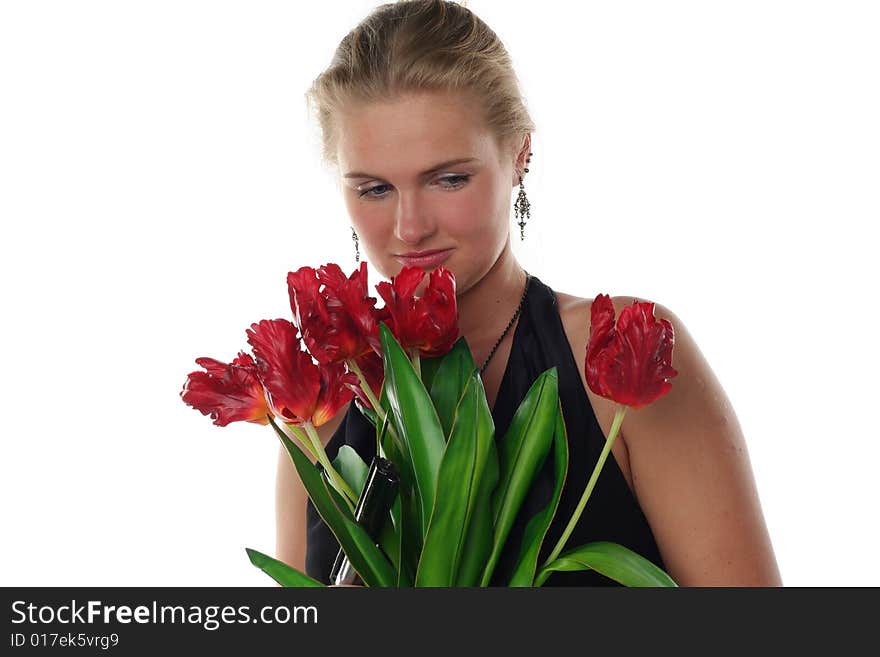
(509,324)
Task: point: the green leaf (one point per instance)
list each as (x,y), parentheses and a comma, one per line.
(522,453)
(450,381)
(418,428)
(405,516)
(614,561)
(410,544)
(351,467)
(428,367)
(536,529)
(280,571)
(395,449)
(389,541)
(458,486)
(390,438)
(478,543)
(361,550)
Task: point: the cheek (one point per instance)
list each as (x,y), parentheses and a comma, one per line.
(481,209)
(369,222)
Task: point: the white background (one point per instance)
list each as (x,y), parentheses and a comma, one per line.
(159,175)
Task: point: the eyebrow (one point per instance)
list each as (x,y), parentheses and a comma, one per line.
(433,169)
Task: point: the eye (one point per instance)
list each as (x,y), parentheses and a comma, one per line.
(369,192)
(456,181)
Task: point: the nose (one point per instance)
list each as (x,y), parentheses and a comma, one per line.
(412,222)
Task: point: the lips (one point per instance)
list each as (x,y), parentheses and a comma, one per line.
(425,258)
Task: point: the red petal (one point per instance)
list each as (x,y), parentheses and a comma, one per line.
(310,313)
(429,323)
(353,314)
(406,282)
(334,393)
(291,379)
(334,314)
(302,288)
(630,364)
(440,307)
(227,392)
(386,291)
(213,367)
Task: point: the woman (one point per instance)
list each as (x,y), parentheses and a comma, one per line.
(422,116)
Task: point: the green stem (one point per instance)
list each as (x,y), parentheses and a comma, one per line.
(365,387)
(615,429)
(368,392)
(290,432)
(416,361)
(380,434)
(338,482)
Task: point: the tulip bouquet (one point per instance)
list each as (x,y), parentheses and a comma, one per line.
(414,379)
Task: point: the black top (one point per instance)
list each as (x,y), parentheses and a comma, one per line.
(612,512)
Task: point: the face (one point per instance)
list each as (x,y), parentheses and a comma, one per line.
(404,196)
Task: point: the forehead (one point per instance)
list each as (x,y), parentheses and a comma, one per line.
(405,135)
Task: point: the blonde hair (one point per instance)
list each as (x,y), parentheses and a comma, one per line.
(421,45)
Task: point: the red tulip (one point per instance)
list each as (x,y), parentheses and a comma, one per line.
(630,364)
(296,389)
(428,323)
(337,322)
(227,392)
(360,308)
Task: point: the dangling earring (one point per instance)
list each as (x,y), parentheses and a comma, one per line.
(357,253)
(522,207)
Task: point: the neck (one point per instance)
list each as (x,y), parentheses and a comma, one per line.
(485,308)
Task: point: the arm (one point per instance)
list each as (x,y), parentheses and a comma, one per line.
(290,501)
(693,478)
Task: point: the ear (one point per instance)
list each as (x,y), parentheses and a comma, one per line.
(522,158)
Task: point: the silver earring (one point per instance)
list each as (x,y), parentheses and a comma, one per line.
(522,207)
(357,253)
